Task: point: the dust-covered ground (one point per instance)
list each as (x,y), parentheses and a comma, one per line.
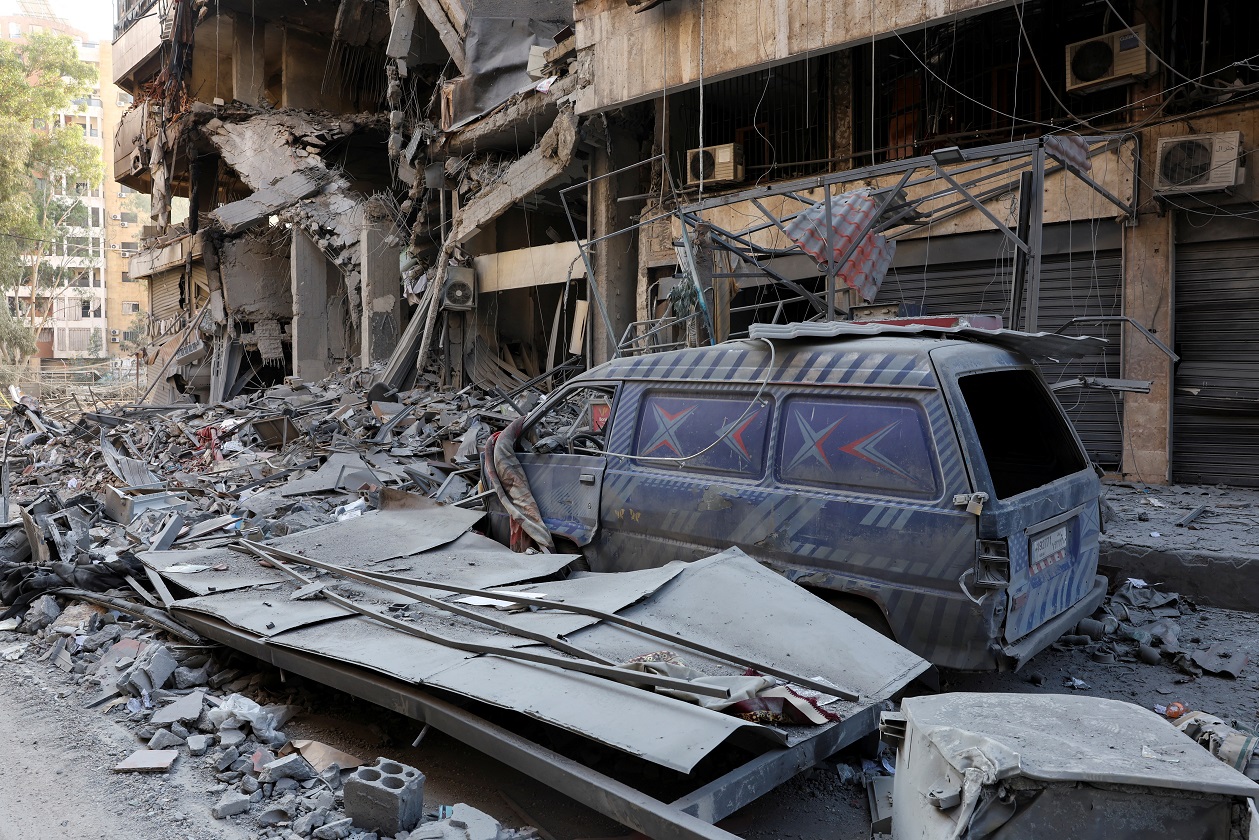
(57,757)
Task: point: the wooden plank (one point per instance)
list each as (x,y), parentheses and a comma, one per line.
(446,31)
(528,267)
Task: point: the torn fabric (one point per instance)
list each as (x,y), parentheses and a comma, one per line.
(508,481)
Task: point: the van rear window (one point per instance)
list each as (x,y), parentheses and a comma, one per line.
(1022,431)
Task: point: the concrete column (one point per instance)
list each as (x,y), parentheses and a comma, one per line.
(381,287)
(1148,299)
(311,319)
(615,261)
(249,61)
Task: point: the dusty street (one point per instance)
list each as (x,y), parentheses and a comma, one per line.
(63,754)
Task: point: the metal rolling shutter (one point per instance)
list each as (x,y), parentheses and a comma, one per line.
(1072,285)
(164,295)
(1215,425)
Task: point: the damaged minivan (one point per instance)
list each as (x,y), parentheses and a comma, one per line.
(926,477)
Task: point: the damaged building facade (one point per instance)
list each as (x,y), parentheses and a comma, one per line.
(503,193)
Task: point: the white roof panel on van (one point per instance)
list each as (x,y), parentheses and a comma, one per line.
(1049,346)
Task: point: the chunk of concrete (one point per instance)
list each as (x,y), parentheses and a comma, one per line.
(42,612)
(232,803)
(199,744)
(338,830)
(184,710)
(387,797)
(290,767)
(152,670)
(478,824)
(164,739)
(191,677)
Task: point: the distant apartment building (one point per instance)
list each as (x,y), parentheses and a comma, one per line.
(81,319)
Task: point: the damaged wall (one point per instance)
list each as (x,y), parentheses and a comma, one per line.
(633,56)
(255,275)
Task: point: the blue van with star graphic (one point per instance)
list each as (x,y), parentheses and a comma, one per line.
(924,479)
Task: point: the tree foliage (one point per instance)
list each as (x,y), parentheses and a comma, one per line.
(44,168)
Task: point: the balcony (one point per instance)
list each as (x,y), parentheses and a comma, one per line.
(131,161)
(136,52)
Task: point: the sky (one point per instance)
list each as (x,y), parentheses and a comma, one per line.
(95,17)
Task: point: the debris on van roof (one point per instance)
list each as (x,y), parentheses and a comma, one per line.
(1040,346)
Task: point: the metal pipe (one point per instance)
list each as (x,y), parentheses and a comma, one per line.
(611,673)
(464,612)
(1020,258)
(611,618)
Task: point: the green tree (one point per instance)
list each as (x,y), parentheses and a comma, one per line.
(45,168)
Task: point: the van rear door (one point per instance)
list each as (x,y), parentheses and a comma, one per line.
(1042,507)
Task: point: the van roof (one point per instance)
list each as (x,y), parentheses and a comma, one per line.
(879,361)
(842,353)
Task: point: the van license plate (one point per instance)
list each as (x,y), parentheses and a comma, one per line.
(1049,550)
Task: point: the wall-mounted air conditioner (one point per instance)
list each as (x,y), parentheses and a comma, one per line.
(116,217)
(122,224)
(114,246)
(115,332)
(1118,58)
(715,164)
(1199,163)
(460,291)
(113,339)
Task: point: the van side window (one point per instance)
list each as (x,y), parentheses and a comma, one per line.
(729,431)
(575,423)
(860,445)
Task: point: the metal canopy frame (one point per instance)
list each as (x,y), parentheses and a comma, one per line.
(690,817)
(962,179)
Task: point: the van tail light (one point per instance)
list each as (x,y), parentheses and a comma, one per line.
(992,564)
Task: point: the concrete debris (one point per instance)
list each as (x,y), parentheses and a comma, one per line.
(386,796)
(148,761)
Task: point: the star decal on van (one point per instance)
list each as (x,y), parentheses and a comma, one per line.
(732,435)
(867,450)
(814,442)
(666,432)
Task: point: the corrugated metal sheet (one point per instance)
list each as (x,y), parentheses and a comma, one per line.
(1035,345)
(1073,284)
(164,295)
(1215,438)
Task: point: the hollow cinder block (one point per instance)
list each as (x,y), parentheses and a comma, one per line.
(386,797)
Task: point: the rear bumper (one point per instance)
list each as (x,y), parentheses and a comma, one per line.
(1015,656)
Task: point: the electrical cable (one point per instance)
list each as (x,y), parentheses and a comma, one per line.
(756,398)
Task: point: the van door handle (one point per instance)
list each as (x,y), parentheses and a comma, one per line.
(586,478)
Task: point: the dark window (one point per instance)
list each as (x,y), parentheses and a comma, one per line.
(130,218)
(130,246)
(862,446)
(1023,432)
(730,433)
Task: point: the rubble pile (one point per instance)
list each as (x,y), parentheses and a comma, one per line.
(1141,623)
(86,493)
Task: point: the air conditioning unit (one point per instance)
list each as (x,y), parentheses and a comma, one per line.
(113,339)
(122,224)
(1119,58)
(114,246)
(715,164)
(1199,163)
(115,332)
(460,291)
(116,217)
